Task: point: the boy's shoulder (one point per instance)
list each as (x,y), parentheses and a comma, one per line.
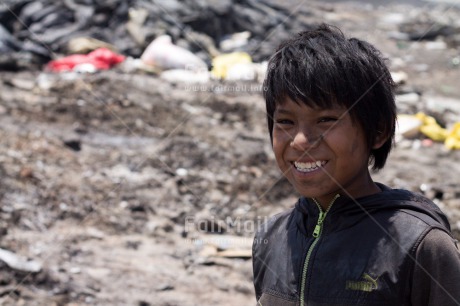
(412,203)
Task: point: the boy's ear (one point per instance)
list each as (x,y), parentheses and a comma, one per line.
(379,140)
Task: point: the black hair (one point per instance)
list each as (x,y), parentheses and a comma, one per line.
(322,67)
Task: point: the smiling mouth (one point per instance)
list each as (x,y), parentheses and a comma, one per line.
(309,166)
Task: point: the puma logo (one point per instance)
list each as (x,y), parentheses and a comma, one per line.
(367,284)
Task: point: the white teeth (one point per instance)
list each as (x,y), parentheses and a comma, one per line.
(308,167)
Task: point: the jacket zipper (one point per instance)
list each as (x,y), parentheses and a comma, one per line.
(316,234)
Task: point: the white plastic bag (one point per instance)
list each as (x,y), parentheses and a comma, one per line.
(163,54)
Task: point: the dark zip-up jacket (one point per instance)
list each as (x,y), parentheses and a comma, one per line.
(366,253)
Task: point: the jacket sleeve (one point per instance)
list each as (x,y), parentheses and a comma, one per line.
(260,247)
(436,278)
(257,266)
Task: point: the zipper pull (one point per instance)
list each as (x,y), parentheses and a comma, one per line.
(322,216)
(317,229)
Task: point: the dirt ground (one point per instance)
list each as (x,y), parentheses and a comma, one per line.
(129,190)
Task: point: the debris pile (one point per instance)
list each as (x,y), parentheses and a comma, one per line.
(206,28)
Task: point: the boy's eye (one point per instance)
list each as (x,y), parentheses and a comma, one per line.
(284,121)
(327,119)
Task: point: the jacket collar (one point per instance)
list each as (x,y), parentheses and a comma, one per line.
(346,209)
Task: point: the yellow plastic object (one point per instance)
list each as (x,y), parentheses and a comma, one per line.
(222,63)
(453,138)
(431,128)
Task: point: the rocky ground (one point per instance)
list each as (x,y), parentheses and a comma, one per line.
(124,189)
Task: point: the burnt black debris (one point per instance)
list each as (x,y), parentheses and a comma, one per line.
(43,28)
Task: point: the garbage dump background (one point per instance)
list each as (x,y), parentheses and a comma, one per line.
(131,25)
(121,187)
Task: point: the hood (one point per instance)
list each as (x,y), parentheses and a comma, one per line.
(346,211)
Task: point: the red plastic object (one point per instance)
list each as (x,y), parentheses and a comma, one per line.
(101,59)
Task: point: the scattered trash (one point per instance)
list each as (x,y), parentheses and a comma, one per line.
(432,192)
(74,144)
(8,43)
(181,172)
(75,270)
(426,29)
(98,59)
(19,263)
(22,83)
(85,68)
(162,53)
(84,45)
(443,105)
(399,77)
(393,18)
(408,125)
(247,72)
(222,64)
(133,65)
(427,142)
(235,253)
(224,246)
(185,76)
(421,67)
(453,138)
(163,287)
(409,98)
(435,45)
(431,128)
(396,35)
(137,18)
(234,41)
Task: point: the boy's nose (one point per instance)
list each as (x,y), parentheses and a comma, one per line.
(303,141)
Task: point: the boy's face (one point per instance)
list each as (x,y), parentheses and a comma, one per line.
(321,151)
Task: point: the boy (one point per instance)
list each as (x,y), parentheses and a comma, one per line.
(348,240)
